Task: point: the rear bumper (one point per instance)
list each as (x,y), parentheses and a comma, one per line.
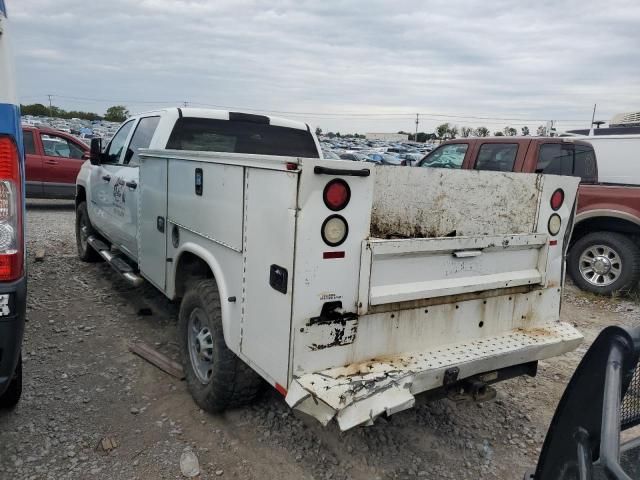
(356,394)
(11,329)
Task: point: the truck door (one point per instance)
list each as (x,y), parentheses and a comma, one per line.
(128,178)
(33,165)
(103,184)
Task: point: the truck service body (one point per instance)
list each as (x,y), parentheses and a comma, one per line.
(13,282)
(350,288)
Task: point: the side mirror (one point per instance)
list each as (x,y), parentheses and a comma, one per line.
(96,151)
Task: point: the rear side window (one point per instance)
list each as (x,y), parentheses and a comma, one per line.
(498,157)
(141,138)
(239,136)
(585,165)
(29,146)
(556,159)
(563,159)
(446,156)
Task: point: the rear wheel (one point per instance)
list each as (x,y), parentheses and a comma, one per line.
(604,263)
(216,377)
(13,393)
(83,231)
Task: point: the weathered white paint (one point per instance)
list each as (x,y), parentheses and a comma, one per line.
(435,202)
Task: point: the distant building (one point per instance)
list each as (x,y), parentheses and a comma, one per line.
(388,137)
(629,119)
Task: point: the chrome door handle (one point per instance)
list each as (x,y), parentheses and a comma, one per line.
(132,185)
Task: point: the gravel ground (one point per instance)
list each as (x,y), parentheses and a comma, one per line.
(82,385)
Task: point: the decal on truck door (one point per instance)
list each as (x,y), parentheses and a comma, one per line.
(119,197)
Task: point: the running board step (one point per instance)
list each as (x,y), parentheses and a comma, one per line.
(118,263)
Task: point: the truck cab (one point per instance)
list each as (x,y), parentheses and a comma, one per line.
(13,282)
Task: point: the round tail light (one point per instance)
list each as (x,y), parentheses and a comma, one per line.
(555,222)
(336,194)
(334,230)
(557,199)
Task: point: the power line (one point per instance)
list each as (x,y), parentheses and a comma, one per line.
(323,115)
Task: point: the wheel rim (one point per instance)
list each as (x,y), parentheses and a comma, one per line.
(600,265)
(200,340)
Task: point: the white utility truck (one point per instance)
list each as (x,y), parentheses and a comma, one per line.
(348,287)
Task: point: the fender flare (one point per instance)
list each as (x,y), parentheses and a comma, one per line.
(218,276)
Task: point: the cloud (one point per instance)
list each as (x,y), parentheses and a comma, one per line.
(539,60)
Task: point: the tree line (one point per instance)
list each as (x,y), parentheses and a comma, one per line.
(116,113)
(447,131)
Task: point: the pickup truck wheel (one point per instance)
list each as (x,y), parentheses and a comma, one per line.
(604,263)
(83,231)
(12,395)
(216,377)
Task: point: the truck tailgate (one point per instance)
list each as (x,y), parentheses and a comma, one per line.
(413,269)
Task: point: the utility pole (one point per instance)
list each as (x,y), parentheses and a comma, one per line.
(593,116)
(415,139)
(50,107)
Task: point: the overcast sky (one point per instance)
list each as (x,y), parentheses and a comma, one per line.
(349,66)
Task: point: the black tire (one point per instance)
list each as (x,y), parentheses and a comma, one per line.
(85,251)
(626,251)
(230,382)
(11,396)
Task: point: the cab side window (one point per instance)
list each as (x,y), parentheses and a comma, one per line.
(585,165)
(141,139)
(555,159)
(114,150)
(29,145)
(446,156)
(498,157)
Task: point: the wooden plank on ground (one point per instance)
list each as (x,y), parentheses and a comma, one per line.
(158,359)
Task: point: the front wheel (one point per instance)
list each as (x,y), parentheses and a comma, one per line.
(83,231)
(604,263)
(11,396)
(216,377)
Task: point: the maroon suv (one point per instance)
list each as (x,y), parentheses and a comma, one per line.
(53,160)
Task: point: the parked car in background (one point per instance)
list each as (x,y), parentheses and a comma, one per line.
(53,160)
(384,159)
(329,155)
(13,281)
(356,157)
(604,254)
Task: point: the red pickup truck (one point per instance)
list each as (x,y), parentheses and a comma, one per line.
(53,160)
(604,254)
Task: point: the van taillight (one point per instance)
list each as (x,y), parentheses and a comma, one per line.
(11,254)
(557,198)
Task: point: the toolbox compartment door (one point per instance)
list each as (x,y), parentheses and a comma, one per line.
(403,270)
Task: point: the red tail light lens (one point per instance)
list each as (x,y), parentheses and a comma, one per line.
(11,253)
(557,199)
(336,194)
